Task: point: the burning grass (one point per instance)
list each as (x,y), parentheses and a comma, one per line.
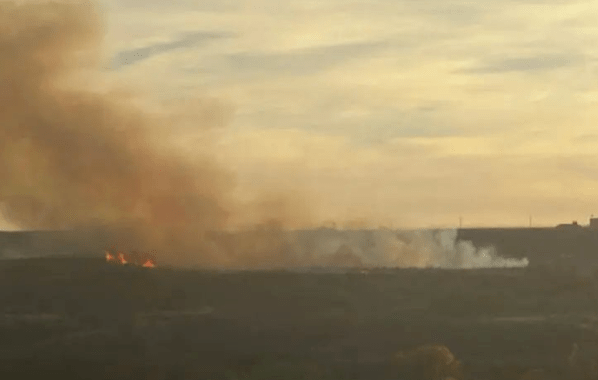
(139,259)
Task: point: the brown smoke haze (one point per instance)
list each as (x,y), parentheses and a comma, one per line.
(75,158)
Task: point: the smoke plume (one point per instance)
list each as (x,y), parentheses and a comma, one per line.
(276,248)
(74,157)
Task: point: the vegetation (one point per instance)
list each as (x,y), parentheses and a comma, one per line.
(81,318)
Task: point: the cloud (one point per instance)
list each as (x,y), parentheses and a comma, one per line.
(298,62)
(177,5)
(362,125)
(536,63)
(188,40)
(586,138)
(412,111)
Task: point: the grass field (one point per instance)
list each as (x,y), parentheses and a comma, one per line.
(84,319)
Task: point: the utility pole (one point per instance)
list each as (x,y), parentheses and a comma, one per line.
(460,222)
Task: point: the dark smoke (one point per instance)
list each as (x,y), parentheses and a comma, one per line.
(74,158)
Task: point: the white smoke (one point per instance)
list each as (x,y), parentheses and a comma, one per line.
(327,248)
(396,249)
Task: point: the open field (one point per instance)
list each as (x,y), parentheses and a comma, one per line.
(79,318)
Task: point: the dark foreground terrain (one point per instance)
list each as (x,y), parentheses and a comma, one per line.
(83,319)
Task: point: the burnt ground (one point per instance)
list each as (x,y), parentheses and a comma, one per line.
(84,319)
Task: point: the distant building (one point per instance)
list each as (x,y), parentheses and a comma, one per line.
(574,224)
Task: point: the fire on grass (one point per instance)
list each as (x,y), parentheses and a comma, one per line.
(134,258)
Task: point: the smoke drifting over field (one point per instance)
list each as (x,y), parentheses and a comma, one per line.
(360,248)
(74,157)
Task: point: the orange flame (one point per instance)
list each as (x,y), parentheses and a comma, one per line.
(109,256)
(149,261)
(134,258)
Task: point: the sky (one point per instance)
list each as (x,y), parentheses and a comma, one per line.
(404,113)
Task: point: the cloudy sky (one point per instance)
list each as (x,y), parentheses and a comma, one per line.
(402,112)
